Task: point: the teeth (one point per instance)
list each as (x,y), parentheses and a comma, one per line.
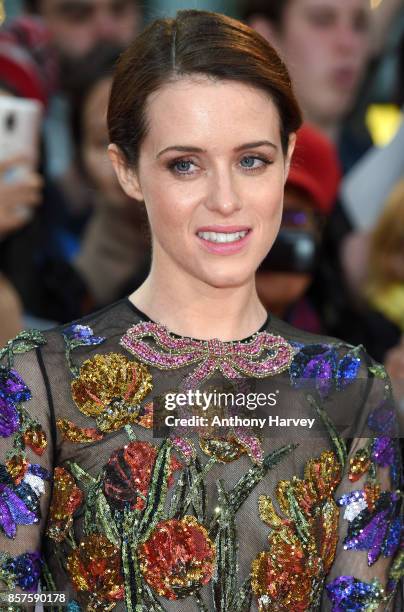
(222,237)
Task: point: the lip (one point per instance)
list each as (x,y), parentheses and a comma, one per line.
(345,77)
(223,228)
(225,248)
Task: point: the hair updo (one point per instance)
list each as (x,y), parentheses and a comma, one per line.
(194,43)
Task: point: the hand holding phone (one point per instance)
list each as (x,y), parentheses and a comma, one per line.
(19,196)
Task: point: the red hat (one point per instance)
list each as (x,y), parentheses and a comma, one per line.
(315,168)
(27,63)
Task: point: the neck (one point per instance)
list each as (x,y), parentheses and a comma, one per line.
(191,307)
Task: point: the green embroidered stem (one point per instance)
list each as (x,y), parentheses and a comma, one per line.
(22,343)
(197,489)
(224,581)
(130,433)
(157,493)
(244,597)
(153,605)
(336,440)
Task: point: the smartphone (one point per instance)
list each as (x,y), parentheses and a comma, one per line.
(20,128)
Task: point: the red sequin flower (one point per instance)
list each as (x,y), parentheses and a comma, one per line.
(66,498)
(95,567)
(128,473)
(178,558)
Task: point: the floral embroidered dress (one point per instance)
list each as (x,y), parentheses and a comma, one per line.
(98,503)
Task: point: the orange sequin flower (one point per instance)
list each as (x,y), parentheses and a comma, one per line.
(110,388)
(128,473)
(35,438)
(66,498)
(17,467)
(73,433)
(302,546)
(282,578)
(95,567)
(178,558)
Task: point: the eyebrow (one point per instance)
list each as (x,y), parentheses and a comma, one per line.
(191,149)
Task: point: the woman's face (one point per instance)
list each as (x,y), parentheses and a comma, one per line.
(95,143)
(211,172)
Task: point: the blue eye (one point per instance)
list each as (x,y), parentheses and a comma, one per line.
(181,166)
(250,159)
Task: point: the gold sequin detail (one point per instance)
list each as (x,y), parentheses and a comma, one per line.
(110,388)
(359,464)
(66,498)
(76,434)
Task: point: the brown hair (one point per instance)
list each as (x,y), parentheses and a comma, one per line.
(195,42)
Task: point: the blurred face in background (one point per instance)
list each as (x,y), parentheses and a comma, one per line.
(325,44)
(95,143)
(78,25)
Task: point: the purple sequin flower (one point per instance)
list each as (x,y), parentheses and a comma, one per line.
(13,511)
(383,420)
(9,418)
(12,386)
(318,365)
(383,451)
(347,593)
(375,531)
(12,390)
(84,334)
(26,570)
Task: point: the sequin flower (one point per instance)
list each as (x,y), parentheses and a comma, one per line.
(83,335)
(128,473)
(14,511)
(377,532)
(350,594)
(281,578)
(35,438)
(110,388)
(317,366)
(95,568)
(12,391)
(178,558)
(66,498)
(25,570)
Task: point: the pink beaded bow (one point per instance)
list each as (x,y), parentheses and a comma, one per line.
(263,355)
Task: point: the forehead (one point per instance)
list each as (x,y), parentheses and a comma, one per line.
(335,5)
(210,110)
(69,5)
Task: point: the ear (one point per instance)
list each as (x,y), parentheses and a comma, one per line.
(289,154)
(127,177)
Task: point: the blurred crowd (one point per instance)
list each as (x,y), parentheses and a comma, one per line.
(71,241)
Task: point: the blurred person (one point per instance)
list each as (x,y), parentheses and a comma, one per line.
(115,247)
(11,321)
(77,26)
(285,276)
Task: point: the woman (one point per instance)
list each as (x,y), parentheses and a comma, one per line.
(145,513)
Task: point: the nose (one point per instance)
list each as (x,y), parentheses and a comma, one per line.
(348,40)
(223,195)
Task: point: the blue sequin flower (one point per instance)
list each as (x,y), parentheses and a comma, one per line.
(318,365)
(348,594)
(83,335)
(26,570)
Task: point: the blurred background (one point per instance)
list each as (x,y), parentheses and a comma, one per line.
(72,242)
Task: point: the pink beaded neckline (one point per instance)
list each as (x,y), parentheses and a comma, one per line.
(263,355)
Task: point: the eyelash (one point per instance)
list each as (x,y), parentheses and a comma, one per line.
(173,163)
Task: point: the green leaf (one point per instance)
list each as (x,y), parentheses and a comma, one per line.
(157,493)
(224,581)
(336,440)
(243,598)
